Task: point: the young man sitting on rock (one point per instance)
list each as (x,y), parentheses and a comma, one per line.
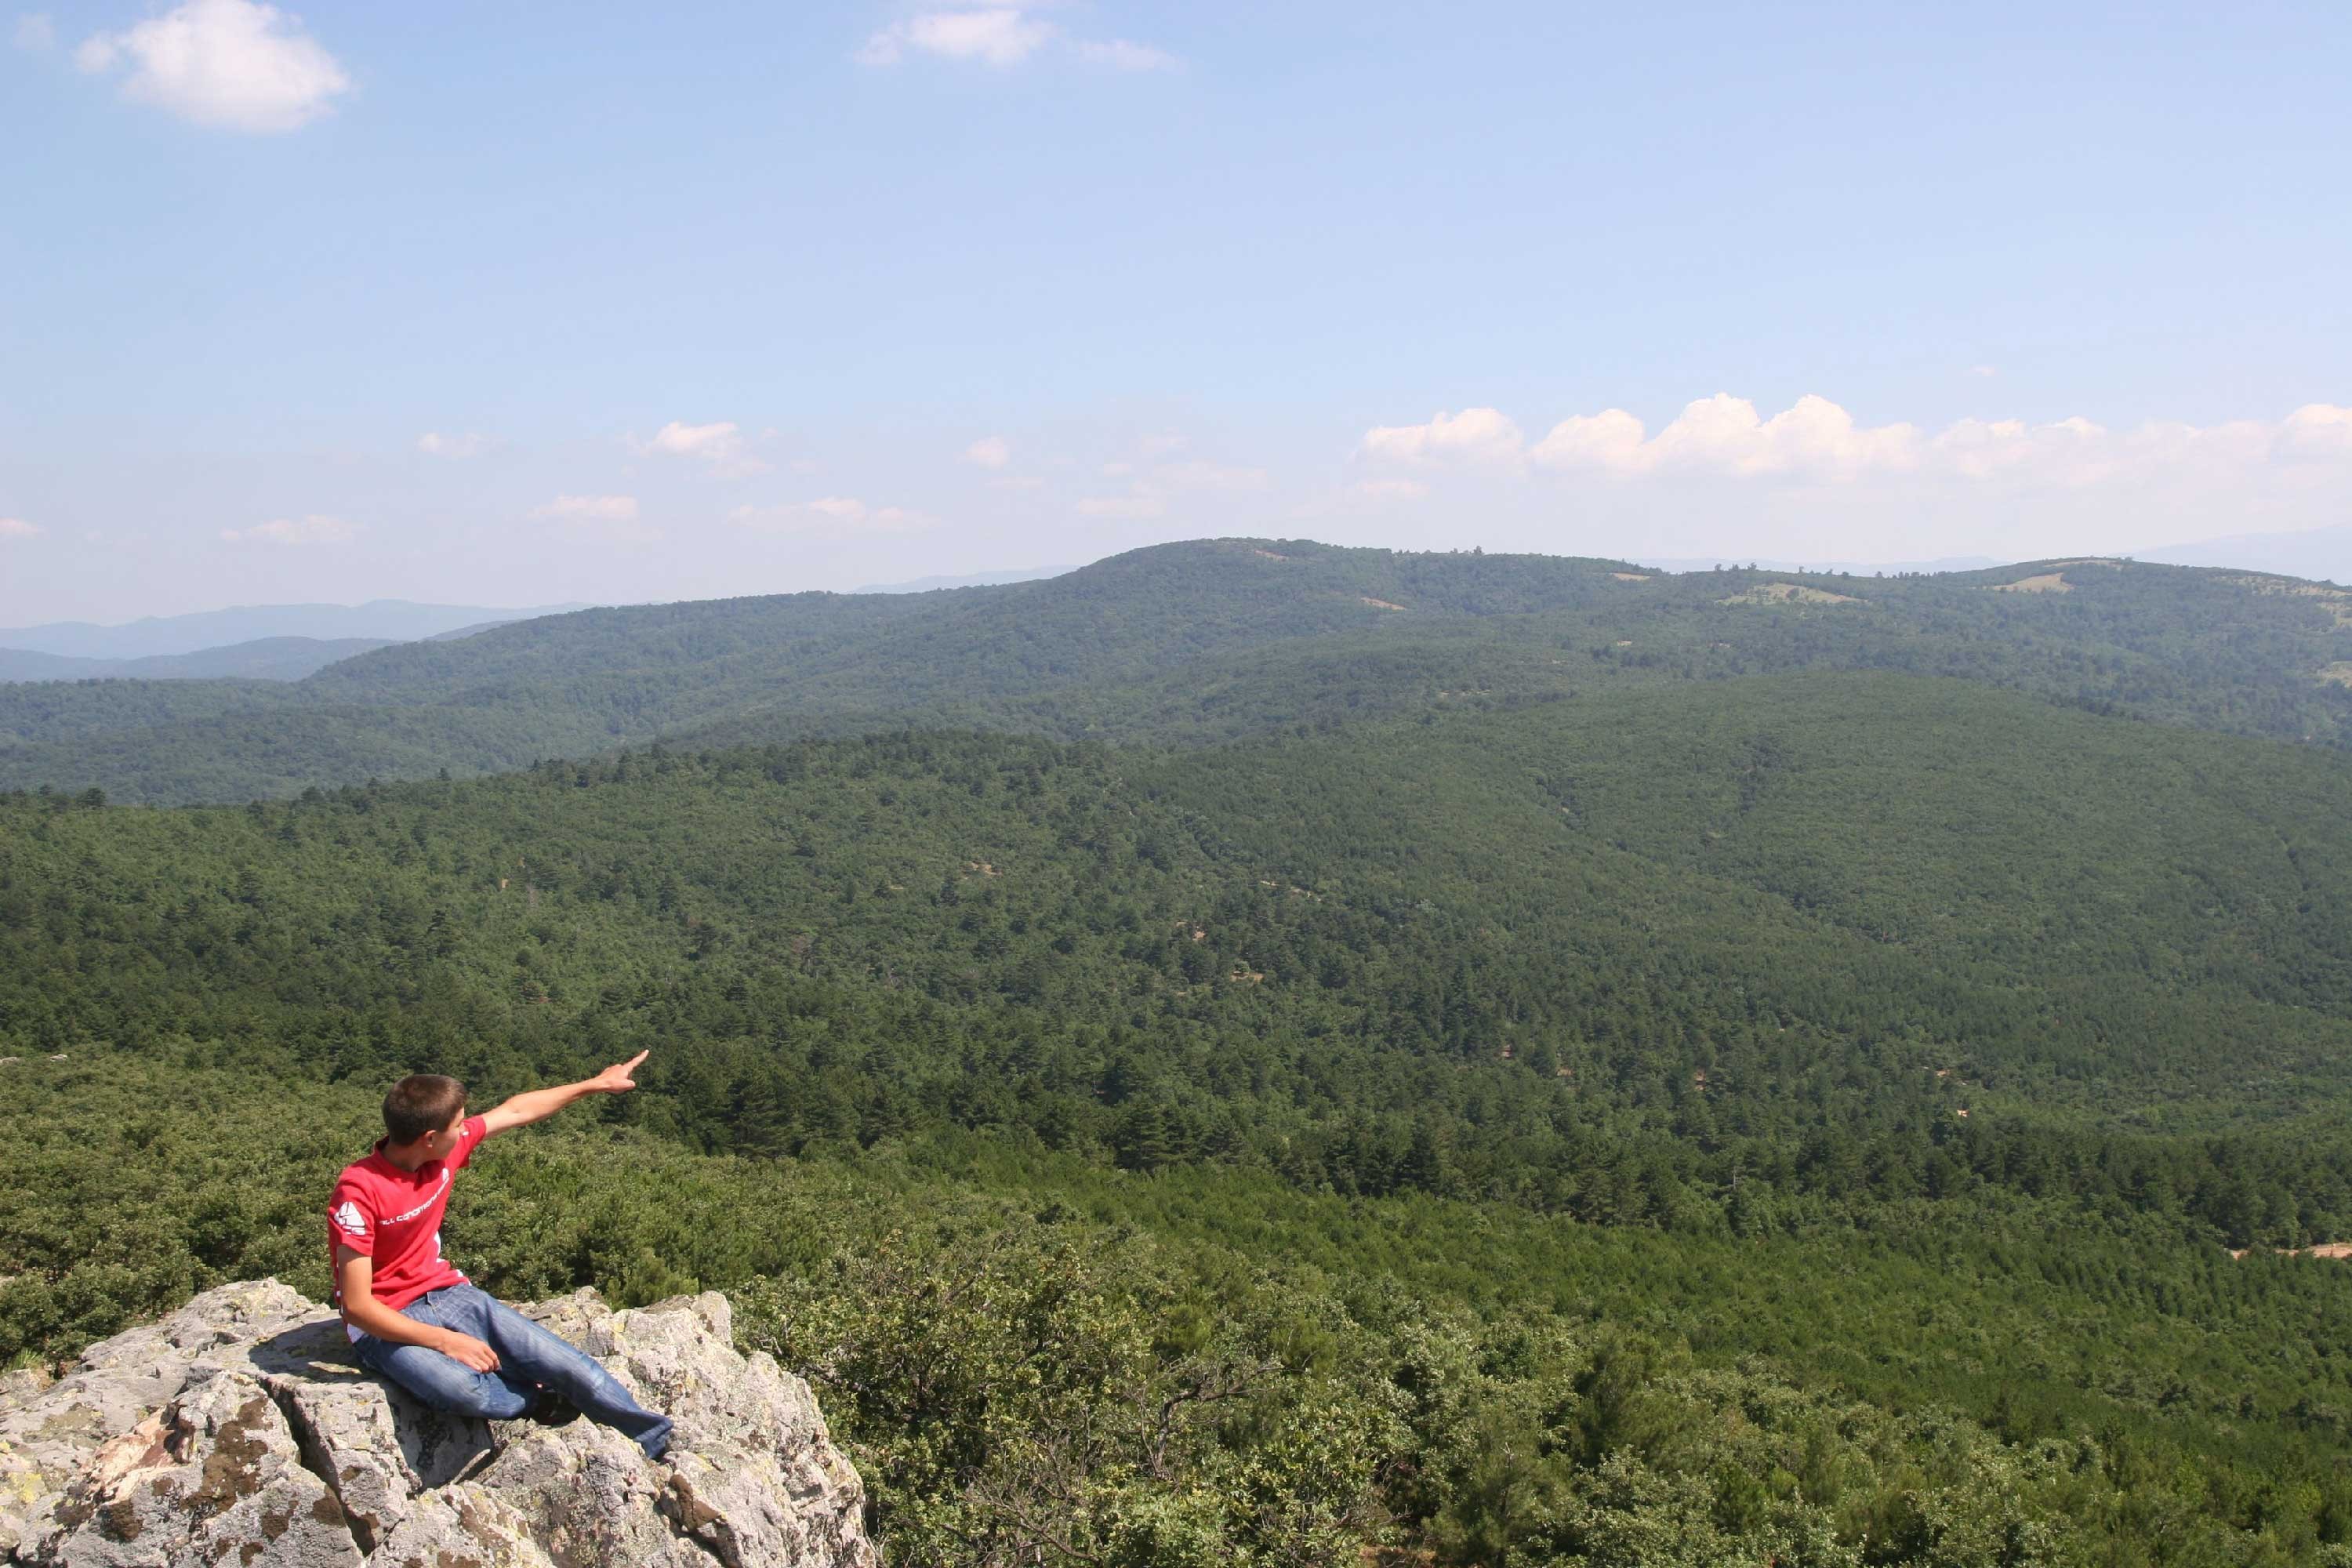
(411,1316)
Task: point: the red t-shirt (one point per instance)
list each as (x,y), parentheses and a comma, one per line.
(394,1217)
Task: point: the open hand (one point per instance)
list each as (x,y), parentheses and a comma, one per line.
(618,1079)
(470,1351)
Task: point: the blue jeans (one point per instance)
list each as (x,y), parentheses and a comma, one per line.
(530,1358)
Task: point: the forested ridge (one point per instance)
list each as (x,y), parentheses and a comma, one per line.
(1894,1056)
(1581,1078)
(1197,642)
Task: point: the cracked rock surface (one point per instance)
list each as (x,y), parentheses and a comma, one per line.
(238,1430)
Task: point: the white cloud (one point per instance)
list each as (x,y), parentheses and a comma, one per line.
(719,447)
(1002,35)
(989,452)
(234,64)
(1481,437)
(2319,429)
(609,517)
(433,444)
(1815,440)
(17,528)
(315,528)
(1724,435)
(837,513)
(35,34)
(996,35)
(1120,53)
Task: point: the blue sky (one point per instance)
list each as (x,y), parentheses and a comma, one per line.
(710,299)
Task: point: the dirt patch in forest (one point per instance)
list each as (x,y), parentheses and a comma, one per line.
(1631,576)
(1787,593)
(2338,674)
(1382,605)
(2048,583)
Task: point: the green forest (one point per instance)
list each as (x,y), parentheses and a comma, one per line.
(1194,643)
(1196,1065)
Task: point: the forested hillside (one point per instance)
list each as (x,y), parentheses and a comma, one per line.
(1580,1072)
(1210,640)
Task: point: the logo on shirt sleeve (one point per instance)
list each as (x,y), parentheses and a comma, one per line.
(351,1219)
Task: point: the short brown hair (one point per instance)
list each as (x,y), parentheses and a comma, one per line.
(420,1103)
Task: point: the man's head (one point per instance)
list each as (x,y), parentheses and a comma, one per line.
(424,1113)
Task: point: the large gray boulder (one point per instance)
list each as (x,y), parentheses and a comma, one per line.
(239,1430)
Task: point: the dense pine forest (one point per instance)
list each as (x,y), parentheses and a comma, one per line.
(1257,1052)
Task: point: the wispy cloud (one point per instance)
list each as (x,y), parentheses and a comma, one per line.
(35,33)
(588,508)
(1154,487)
(315,528)
(989,452)
(1001,37)
(1123,54)
(17,528)
(844,514)
(233,64)
(434,444)
(1140,504)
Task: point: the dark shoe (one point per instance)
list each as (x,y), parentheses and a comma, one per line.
(551,1409)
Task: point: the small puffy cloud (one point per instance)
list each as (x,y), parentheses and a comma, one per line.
(434,444)
(1480,436)
(234,64)
(1002,36)
(315,528)
(996,35)
(719,447)
(35,34)
(17,528)
(834,513)
(989,452)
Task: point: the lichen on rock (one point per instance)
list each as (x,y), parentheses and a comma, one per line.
(239,1430)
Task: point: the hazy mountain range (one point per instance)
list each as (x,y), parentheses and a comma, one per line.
(378,621)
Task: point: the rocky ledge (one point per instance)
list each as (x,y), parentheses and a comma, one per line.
(238,1430)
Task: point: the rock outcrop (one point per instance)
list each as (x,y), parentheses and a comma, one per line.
(239,1431)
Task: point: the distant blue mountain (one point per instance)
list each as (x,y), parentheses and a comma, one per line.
(379,620)
(2322,553)
(265,658)
(984,580)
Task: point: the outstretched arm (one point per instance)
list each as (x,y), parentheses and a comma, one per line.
(541,1103)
